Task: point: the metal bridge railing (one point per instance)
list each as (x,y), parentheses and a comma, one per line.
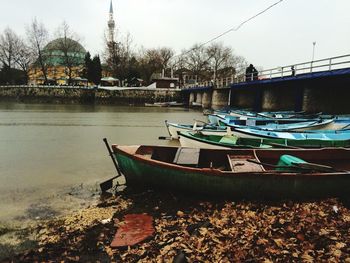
(326,64)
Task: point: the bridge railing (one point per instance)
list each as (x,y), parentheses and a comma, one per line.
(301,68)
(326,64)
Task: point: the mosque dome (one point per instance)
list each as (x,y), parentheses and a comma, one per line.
(56,49)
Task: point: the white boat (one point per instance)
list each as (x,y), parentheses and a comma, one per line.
(335,135)
(319,124)
(196,104)
(190,143)
(175,128)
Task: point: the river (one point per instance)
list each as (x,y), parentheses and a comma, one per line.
(52,157)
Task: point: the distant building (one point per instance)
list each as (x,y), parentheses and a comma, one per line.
(187,78)
(136,82)
(162,82)
(58,67)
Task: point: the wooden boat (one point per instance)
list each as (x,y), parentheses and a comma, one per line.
(199,140)
(274,114)
(196,104)
(174,128)
(156,104)
(249,173)
(328,135)
(176,104)
(217,119)
(289,114)
(165,104)
(272,126)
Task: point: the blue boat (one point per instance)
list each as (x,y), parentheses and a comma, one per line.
(272,126)
(217,119)
(333,135)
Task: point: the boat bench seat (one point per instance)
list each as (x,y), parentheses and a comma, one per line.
(187,156)
(241,164)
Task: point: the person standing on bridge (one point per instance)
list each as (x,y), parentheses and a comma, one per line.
(251,73)
(293,71)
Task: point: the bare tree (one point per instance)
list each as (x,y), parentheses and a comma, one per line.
(153,61)
(67,44)
(197,61)
(24,57)
(149,63)
(14,55)
(166,55)
(240,64)
(9,44)
(221,59)
(38,36)
(120,57)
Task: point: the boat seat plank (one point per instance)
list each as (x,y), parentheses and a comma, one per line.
(241,164)
(187,156)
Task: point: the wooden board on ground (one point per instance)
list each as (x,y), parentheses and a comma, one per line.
(134,229)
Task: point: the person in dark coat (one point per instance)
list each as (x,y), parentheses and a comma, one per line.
(251,73)
(248,73)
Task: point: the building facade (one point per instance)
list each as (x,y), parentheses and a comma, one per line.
(64,60)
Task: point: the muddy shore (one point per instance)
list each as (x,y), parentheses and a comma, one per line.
(193,229)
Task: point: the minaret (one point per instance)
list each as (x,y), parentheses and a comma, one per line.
(111,24)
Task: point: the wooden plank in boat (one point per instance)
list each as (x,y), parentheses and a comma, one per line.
(187,156)
(241,164)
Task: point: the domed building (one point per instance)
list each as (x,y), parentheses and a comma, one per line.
(64,58)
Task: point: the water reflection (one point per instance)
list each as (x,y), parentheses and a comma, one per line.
(48,149)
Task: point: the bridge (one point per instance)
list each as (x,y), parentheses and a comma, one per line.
(319,85)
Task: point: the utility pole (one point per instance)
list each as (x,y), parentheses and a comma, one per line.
(313,55)
(313,50)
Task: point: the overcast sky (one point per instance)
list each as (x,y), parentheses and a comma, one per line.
(281,36)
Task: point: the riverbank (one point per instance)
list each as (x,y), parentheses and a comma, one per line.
(196,229)
(87,95)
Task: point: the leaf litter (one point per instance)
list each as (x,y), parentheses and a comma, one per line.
(188,229)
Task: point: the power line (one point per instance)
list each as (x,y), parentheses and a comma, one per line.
(234,28)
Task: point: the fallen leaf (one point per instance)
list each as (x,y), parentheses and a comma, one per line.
(301,237)
(279,242)
(180,213)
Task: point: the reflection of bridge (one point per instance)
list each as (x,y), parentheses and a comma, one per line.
(320,85)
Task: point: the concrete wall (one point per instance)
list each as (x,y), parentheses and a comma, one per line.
(82,95)
(327,96)
(278,98)
(243,98)
(327,100)
(199,97)
(191,98)
(220,98)
(206,99)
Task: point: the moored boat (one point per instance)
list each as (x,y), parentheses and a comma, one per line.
(218,119)
(175,128)
(199,140)
(277,173)
(326,135)
(317,124)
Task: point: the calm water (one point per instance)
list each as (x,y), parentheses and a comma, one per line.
(52,157)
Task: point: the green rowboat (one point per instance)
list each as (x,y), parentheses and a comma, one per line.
(199,140)
(249,173)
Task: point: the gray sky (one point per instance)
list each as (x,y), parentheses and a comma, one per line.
(281,36)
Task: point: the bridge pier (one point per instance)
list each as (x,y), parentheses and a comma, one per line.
(278,98)
(199,97)
(191,98)
(206,99)
(242,98)
(220,98)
